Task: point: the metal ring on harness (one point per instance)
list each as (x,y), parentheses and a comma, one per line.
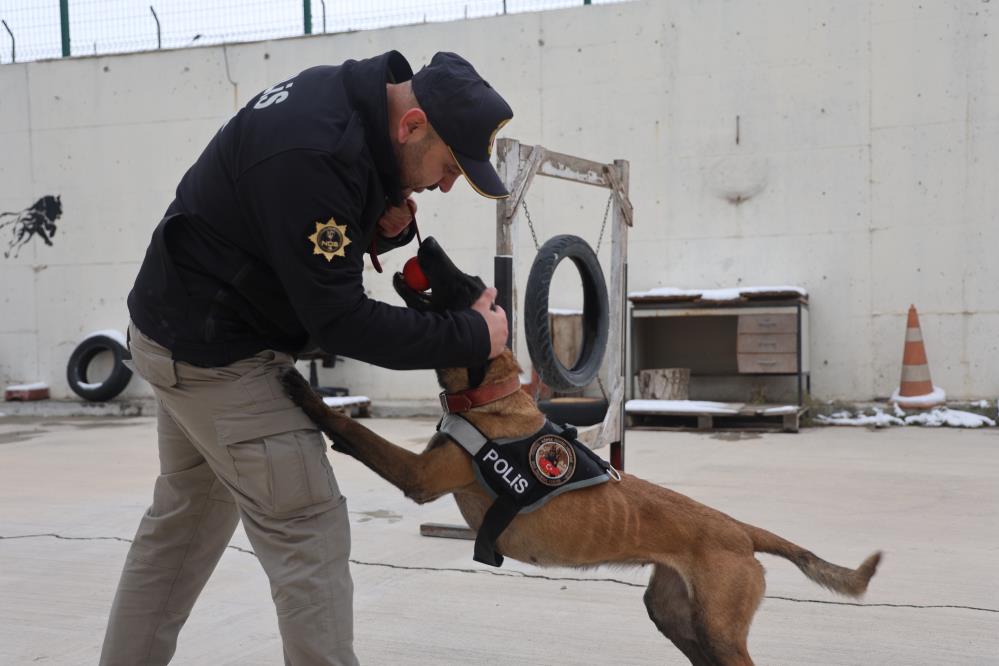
(595,313)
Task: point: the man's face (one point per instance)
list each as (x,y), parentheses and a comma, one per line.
(426,163)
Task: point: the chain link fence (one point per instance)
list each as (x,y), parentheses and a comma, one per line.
(36,29)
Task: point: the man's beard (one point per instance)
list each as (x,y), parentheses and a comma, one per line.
(409,158)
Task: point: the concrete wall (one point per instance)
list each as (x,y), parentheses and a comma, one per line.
(865,167)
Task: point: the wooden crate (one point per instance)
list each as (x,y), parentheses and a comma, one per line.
(766,418)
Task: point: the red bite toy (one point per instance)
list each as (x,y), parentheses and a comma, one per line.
(413,276)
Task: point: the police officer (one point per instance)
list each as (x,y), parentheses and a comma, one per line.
(261,251)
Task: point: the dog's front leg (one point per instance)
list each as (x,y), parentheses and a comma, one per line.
(441,469)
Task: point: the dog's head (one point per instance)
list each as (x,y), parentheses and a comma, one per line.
(450,289)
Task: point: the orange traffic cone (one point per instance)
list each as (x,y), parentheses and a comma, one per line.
(916,390)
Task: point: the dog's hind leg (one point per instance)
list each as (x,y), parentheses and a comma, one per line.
(668,604)
(727,589)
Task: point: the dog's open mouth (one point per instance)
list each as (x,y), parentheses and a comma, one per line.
(418,300)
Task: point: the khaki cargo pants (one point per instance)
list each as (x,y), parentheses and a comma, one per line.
(232,446)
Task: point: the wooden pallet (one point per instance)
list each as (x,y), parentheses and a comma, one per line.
(766,418)
(355,406)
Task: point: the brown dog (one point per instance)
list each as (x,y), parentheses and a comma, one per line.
(706,583)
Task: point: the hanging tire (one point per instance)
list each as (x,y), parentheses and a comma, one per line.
(537,324)
(79,361)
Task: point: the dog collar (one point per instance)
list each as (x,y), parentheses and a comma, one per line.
(462,401)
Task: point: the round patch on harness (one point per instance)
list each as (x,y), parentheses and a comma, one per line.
(553,460)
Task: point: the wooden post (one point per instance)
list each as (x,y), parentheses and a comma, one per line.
(508,165)
(614,427)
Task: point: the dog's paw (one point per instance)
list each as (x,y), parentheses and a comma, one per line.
(297,388)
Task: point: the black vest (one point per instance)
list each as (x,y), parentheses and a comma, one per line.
(522,474)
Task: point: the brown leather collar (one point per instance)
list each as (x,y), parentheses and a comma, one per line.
(462,401)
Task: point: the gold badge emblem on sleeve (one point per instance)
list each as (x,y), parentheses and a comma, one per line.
(330,239)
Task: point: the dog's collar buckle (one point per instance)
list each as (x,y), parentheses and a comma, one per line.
(455,403)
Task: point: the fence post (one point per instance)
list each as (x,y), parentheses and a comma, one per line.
(307,15)
(64,20)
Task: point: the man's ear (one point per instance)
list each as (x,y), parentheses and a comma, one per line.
(412,126)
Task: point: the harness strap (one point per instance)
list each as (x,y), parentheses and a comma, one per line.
(497,518)
(463,432)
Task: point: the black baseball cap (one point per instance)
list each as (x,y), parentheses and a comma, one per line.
(466,113)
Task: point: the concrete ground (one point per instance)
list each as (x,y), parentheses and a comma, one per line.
(72,491)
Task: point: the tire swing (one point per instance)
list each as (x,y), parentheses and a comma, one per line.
(537,326)
(79,364)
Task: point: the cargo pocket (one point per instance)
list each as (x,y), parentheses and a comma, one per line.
(300,473)
(279,461)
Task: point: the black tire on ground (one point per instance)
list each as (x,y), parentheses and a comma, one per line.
(79,361)
(574,411)
(595,314)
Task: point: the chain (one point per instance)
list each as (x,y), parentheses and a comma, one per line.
(600,383)
(603,225)
(534,235)
(530,224)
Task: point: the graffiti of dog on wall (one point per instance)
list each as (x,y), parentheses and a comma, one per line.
(38,219)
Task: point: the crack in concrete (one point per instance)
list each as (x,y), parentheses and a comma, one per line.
(521,574)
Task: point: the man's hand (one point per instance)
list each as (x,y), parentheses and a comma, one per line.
(395,219)
(495,318)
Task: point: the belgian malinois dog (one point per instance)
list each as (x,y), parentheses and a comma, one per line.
(706,583)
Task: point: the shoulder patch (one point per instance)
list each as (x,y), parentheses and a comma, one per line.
(330,239)
(552,459)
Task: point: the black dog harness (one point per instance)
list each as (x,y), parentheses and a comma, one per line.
(522,474)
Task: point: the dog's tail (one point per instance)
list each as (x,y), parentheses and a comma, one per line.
(850,582)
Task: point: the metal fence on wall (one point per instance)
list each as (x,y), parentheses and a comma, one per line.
(36,29)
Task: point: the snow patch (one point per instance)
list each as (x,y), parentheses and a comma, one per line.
(564,311)
(346,400)
(725,294)
(110,333)
(941,416)
(86,386)
(878,419)
(28,387)
(777,411)
(935,397)
(678,407)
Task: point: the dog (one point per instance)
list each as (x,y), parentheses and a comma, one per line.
(706,582)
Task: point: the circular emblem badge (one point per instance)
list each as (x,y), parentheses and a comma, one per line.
(553,460)
(329,240)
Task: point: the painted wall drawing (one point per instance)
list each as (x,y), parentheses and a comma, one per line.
(38,219)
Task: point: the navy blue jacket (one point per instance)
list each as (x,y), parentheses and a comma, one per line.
(263,246)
